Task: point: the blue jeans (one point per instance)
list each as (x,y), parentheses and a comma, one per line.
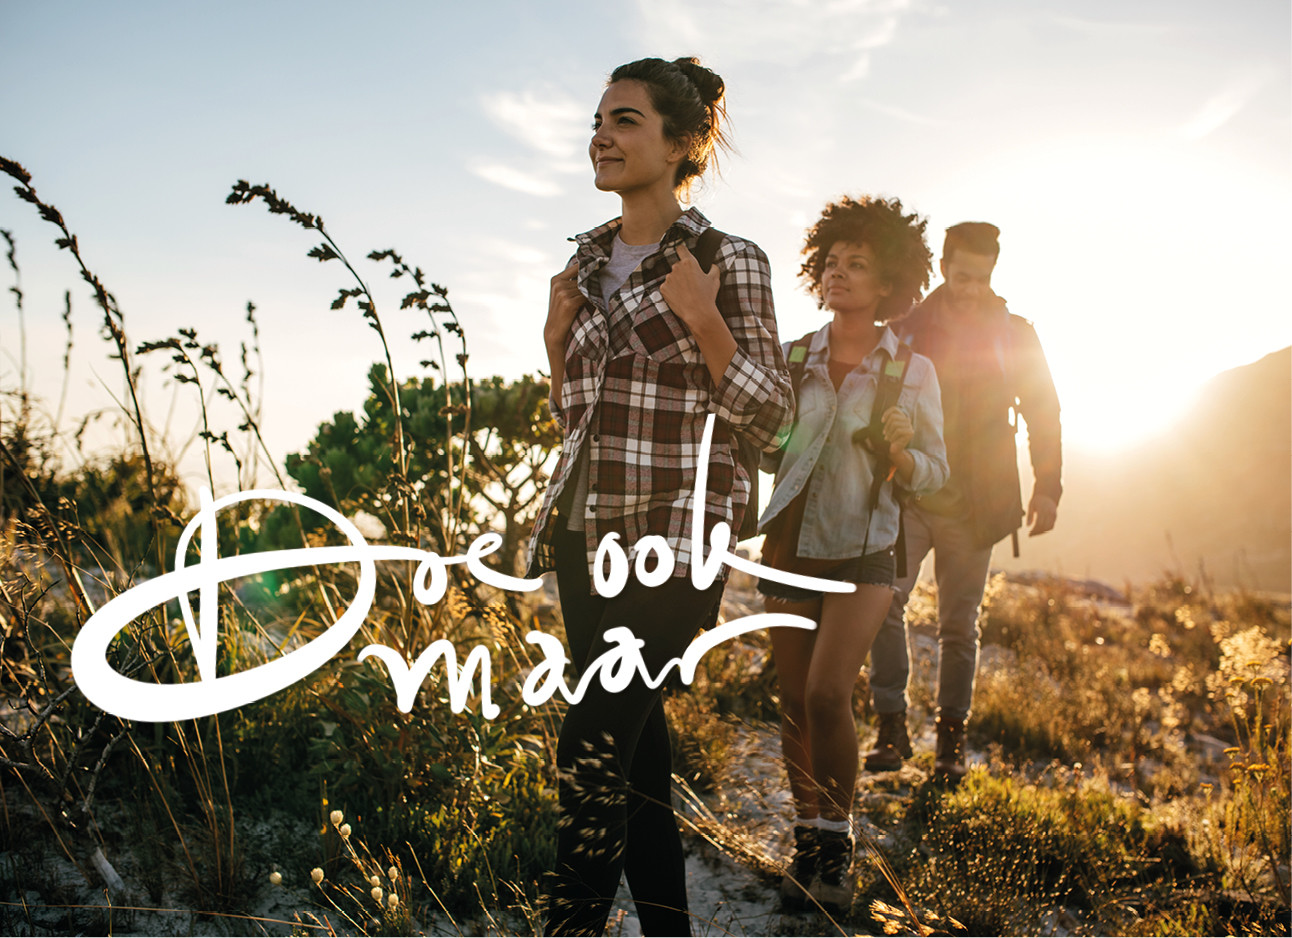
(960,570)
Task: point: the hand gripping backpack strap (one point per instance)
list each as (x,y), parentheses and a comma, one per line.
(706,251)
(891,380)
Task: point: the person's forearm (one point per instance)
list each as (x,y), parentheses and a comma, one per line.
(904,463)
(556,365)
(717,345)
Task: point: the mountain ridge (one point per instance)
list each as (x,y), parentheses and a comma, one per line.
(1209,495)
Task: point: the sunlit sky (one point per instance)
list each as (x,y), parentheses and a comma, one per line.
(1136,155)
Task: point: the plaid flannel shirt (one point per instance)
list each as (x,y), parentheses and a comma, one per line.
(636,391)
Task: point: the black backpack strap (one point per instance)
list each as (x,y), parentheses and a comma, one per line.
(891,380)
(706,248)
(797,362)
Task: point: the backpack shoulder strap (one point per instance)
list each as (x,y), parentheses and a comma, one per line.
(706,248)
(1014,324)
(891,380)
(797,360)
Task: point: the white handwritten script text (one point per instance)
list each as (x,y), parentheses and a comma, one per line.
(131,699)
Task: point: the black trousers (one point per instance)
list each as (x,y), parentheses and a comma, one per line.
(614,759)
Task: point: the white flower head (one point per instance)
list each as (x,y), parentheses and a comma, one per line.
(376,893)
(337,817)
(344,830)
(316,874)
(276,877)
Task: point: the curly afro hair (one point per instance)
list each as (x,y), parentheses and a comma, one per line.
(896,238)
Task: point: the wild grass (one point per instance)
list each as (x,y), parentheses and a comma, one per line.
(1132,757)
(465,800)
(1131,777)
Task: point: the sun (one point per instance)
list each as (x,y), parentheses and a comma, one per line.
(1144,265)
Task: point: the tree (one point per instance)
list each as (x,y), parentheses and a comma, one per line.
(513,440)
(349,463)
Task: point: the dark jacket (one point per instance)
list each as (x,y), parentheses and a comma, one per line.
(984,384)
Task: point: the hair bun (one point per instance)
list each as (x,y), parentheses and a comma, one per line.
(688,97)
(708,82)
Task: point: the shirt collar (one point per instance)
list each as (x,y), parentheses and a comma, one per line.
(820,346)
(690,223)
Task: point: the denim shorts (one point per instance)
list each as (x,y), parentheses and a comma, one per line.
(877,569)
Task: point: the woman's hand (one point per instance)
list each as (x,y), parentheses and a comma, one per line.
(897,431)
(563,304)
(692,294)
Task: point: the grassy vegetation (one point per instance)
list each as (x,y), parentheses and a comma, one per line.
(1134,766)
(1132,778)
(460,806)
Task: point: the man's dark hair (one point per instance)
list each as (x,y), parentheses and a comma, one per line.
(896,238)
(976,237)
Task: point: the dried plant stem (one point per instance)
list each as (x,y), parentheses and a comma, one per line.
(84,606)
(113,321)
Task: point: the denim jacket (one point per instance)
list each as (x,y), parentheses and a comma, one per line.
(819,452)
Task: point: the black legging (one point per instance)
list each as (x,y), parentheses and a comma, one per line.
(610,825)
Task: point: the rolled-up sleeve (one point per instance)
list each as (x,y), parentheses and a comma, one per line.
(754,394)
(553,402)
(927,447)
(555,407)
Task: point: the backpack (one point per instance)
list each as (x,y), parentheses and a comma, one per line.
(891,380)
(706,250)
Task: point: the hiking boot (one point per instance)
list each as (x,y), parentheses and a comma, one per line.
(802,868)
(833,885)
(950,760)
(891,746)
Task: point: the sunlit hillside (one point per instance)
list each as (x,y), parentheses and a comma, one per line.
(1210,494)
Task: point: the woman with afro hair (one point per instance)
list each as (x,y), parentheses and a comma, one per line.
(834,512)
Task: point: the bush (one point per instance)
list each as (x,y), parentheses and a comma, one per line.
(1000,849)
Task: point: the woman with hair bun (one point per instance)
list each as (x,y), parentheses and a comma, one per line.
(869,421)
(643,346)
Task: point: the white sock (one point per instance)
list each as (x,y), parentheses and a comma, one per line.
(838,827)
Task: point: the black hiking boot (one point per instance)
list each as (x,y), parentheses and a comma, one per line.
(833,886)
(891,746)
(798,877)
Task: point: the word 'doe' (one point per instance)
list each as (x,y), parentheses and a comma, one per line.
(128,698)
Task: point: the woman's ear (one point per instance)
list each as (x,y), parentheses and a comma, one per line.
(679,147)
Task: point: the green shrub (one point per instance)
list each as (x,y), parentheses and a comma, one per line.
(999,851)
